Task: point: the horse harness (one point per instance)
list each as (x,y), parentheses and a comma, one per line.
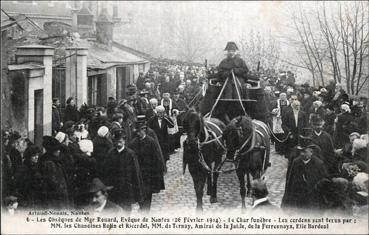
(210,129)
(253,145)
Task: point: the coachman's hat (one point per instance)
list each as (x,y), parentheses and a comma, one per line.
(97,185)
(231,46)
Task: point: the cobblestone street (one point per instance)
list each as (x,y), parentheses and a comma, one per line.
(180,194)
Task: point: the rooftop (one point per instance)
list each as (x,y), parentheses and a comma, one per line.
(100,57)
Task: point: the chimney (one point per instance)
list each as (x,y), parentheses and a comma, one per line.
(104,28)
(83,21)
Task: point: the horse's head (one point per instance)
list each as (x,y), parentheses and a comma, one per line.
(192,125)
(236,133)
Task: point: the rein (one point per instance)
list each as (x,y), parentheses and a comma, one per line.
(250,138)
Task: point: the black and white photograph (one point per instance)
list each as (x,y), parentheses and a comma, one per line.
(179,117)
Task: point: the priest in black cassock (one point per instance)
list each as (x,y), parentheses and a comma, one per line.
(306,171)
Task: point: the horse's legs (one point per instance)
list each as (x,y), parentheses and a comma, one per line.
(248,184)
(199,178)
(241,178)
(208,181)
(213,196)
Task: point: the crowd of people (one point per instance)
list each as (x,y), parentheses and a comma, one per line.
(323,133)
(103,158)
(108,158)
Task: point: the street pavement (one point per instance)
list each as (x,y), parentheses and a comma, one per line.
(179,193)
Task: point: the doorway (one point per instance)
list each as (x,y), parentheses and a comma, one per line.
(122,82)
(39,116)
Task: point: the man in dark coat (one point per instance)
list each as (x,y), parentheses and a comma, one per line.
(55,188)
(151,163)
(292,123)
(238,66)
(306,171)
(160,123)
(56,120)
(324,141)
(111,107)
(71,113)
(140,81)
(121,170)
(329,118)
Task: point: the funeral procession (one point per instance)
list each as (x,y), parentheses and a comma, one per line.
(140,107)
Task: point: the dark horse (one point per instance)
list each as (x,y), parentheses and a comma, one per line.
(248,143)
(202,153)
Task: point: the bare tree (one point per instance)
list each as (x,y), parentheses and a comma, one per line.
(255,47)
(338,46)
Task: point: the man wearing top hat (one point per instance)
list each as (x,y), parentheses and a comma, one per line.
(100,204)
(150,160)
(121,170)
(236,64)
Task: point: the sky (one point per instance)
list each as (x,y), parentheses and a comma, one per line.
(222,21)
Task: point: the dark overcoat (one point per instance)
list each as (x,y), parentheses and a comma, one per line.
(102,146)
(300,184)
(122,170)
(325,142)
(54,188)
(151,164)
(161,133)
(71,114)
(289,125)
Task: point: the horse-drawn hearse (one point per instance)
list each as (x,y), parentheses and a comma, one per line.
(227,131)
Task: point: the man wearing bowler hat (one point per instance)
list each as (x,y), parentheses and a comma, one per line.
(150,160)
(121,170)
(100,204)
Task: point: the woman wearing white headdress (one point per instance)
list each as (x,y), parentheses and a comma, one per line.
(342,123)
